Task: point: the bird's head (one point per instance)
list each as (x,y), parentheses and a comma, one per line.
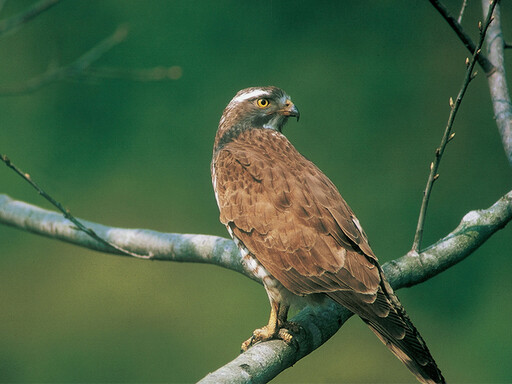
(255,108)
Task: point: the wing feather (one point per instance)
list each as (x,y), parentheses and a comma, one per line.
(292,218)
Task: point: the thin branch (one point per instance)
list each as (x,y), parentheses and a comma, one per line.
(462,9)
(498,88)
(468,43)
(264,361)
(67,214)
(73,70)
(81,69)
(150,74)
(13,23)
(447,136)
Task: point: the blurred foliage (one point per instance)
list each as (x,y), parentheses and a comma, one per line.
(372,81)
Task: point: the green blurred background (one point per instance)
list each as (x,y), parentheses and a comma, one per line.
(372,81)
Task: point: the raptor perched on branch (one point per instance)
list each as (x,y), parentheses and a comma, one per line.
(295,231)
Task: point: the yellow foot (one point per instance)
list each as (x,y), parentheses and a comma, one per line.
(264,334)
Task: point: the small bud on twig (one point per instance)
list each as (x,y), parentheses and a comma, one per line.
(431,165)
(480,25)
(451,103)
(436,176)
(467,61)
(451,136)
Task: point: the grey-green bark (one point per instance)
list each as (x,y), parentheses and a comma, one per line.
(500,96)
(264,361)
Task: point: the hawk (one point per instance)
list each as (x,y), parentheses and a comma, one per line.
(296,233)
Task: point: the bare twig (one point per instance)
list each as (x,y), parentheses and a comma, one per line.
(150,74)
(12,24)
(462,9)
(72,70)
(67,214)
(482,59)
(447,136)
(81,69)
(264,361)
(498,88)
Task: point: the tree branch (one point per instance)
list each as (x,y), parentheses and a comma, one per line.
(162,246)
(462,9)
(447,136)
(12,24)
(81,69)
(264,361)
(73,70)
(463,36)
(145,74)
(67,214)
(500,95)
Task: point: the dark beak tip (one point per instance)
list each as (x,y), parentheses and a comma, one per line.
(295,112)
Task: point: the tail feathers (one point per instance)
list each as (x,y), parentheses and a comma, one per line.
(387,319)
(412,349)
(419,361)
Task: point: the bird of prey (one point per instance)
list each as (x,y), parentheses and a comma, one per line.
(296,233)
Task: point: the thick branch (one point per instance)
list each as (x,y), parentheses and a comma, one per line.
(264,361)
(162,246)
(500,96)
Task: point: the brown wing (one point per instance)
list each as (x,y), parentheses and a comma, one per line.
(292,218)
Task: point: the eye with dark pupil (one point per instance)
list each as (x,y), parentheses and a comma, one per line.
(262,103)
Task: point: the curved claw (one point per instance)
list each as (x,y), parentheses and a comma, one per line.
(285,333)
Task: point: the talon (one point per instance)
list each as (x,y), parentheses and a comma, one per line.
(247,344)
(259,335)
(277,328)
(284,333)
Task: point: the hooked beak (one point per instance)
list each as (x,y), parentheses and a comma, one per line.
(290,110)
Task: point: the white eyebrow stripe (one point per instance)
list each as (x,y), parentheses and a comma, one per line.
(250,95)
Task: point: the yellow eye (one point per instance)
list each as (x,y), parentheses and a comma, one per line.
(263,103)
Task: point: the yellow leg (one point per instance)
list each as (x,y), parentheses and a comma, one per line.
(275,329)
(273,323)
